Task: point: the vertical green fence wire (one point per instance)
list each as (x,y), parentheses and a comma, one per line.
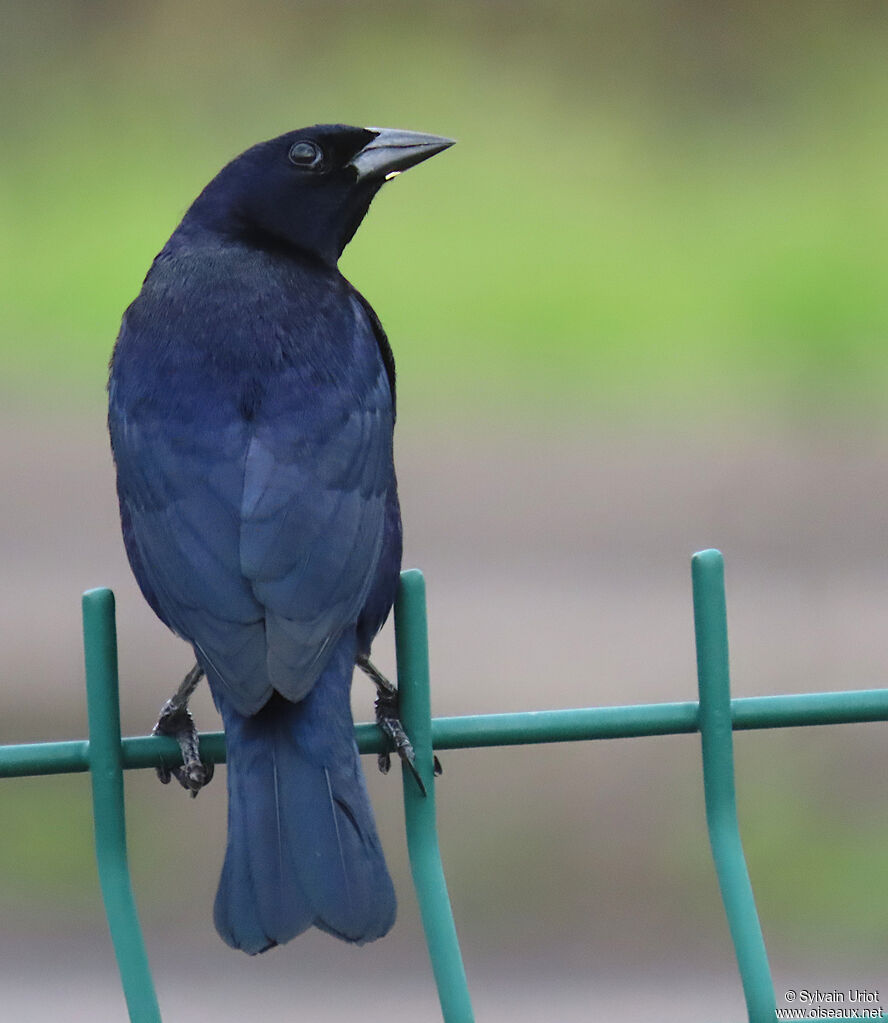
(106,773)
(411,637)
(717,740)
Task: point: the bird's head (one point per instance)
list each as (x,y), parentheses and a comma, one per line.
(308,189)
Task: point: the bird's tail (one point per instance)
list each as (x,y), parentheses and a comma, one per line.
(302,844)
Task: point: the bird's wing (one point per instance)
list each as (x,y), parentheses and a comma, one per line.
(312,518)
(178,492)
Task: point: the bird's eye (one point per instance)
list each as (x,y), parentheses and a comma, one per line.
(305,154)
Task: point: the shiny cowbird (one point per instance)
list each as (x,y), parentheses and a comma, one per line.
(251,410)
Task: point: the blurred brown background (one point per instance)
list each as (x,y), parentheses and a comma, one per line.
(638,310)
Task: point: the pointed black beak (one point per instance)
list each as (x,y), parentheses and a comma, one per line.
(393,151)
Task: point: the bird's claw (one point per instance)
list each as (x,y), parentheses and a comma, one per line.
(176,721)
(388,720)
(191,778)
(384,761)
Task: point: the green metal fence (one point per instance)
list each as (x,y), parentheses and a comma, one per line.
(106,755)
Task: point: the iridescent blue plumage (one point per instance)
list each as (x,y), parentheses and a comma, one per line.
(251,410)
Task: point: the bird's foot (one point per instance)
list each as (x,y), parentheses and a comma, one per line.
(176,720)
(389,721)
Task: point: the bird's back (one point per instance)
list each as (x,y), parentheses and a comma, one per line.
(251,421)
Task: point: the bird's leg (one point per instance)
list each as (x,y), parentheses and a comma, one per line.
(176,720)
(387,717)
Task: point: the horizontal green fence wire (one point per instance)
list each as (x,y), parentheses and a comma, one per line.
(715,716)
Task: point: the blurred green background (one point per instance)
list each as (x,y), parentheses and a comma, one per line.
(639,309)
(652,204)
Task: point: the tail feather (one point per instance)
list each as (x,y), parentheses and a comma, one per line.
(302,844)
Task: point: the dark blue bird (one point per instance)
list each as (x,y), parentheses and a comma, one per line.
(251,409)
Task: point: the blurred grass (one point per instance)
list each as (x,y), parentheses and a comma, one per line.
(665,208)
(38,869)
(814,829)
(815,838)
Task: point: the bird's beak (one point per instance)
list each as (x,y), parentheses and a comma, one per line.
(393,151)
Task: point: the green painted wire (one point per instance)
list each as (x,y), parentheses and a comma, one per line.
(106,755)
(517,729)
(411,634)
(106,769)
(717,741)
